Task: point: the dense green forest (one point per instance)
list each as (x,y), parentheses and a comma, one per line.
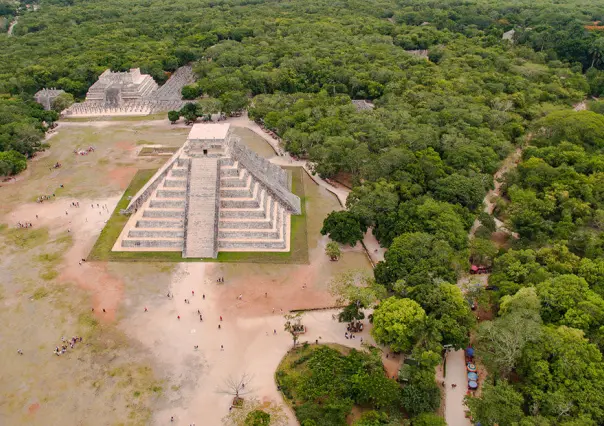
(420,161)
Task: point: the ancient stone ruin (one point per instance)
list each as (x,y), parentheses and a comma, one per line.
(117,88)
(45,97)
(214,194)
(132,93)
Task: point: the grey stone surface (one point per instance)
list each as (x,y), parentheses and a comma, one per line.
(162,213)
(202,207)
(167,193)
(175,183)
(168,204)
(152,243)
(271,176)
(150,223)
(146,233)
(45,97)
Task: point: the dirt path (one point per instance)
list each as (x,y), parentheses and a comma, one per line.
(12,25)
(581,106)
(456,366)
(491,198)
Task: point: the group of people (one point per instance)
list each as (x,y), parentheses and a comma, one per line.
(220,280)
(43,198)
(24,225)
(84,152)
(64,342)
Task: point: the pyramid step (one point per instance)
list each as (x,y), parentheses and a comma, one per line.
(170,193)
(180,172)
(235,193)
(228,172)
(150,223)
(242,214)
(175,183)
(246,234)
(167,204)
(164,213)
(243,244)
(155,243)
(245,224)
(239,203)
(234,183)
(159,233)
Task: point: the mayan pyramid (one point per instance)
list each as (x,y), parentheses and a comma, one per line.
(214,194)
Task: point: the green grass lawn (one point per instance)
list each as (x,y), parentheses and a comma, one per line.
(110,233)
(154,116)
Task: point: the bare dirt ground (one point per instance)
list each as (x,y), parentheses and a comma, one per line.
(137,367)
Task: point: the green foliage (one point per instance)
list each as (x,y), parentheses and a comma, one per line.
(21,130)
(428,419)
(448,311)
(190,92)
(499,404)
(62,102)
(343,227)
(416,258)
(421,394)
(257,418)
(12,163)
(332,249)
(482,251)
(351,312)
(396,323)
(324,384)
(173,116)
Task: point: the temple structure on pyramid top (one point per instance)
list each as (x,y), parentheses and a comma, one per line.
(214,194)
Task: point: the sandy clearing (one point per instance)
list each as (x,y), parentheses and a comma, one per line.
(250,344)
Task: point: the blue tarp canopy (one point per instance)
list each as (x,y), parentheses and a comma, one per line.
(469,351)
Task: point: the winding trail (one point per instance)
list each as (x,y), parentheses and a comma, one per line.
(455,407)
(12,25)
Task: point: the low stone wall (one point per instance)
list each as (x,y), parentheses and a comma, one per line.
(152,243)
(245,225)
(239,204)
(163,213)
(233,183)
(167,204)
(238,235)
(143,233)
(179,172)
(159,224)
(230,172)
(243,214)
(167,193)
(175,183)
(252,244)
(235,193)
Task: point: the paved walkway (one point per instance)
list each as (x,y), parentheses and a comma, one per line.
(454,397)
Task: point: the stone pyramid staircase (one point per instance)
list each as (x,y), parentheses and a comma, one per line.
(250,218)
(160,222)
